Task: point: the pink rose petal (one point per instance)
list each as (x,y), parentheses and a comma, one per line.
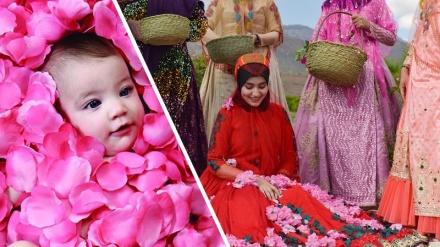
(44,25)
(64,175)
(10,95)
(119,198)
(42,208)
(69,12)
(10,134)
(111,176)
(135,163)
(151,99)
(157,130)
(189,237)
(155,159)
(119,227)
(21,168)
(38,118)
(150,180)
(42,87)
(151,223)
(181,196)
(7,20)
(90,149)
(108,24)
(84,199)
(62,232)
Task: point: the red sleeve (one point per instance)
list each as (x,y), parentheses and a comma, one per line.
(219,142)
(289,156)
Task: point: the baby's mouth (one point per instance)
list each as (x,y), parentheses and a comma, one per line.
(121,129)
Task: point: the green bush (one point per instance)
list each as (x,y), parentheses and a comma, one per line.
(395,66)
(293,102)
(200,67)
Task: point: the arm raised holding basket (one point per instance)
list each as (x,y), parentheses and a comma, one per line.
(236,24)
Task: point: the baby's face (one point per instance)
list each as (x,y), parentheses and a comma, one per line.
(99,98)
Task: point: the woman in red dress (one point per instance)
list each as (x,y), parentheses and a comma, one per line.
(251,177)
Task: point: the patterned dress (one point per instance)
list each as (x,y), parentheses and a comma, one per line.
(174,75)
(412,195)
(346,135)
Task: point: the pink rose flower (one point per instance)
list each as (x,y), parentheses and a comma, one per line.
(245,178)
(228,104)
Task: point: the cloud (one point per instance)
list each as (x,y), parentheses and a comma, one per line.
(405,21)
(403,10)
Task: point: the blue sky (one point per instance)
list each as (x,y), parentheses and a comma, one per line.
(306,12)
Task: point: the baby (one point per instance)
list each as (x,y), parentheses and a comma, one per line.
(97,94)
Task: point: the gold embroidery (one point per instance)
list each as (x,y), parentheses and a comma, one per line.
(400,168)
(425,184)
(414,239)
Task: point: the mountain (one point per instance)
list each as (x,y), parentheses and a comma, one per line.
(294,38)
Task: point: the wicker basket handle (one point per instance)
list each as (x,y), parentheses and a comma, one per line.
(338,12)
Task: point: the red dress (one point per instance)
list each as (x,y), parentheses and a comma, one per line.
(260,140)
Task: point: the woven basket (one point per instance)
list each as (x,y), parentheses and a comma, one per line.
(165,29)
(334,63)
(229,49)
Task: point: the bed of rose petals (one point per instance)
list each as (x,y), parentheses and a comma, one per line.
(291,222)
(55,188)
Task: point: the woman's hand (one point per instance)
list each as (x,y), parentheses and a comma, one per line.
(270,192)
(404,78)
(360,22)
(135,28)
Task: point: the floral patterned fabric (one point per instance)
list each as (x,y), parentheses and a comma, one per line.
(346,135)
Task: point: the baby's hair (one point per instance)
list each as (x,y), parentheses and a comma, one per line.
(77,47)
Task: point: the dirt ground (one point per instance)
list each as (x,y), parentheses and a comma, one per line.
(293,83)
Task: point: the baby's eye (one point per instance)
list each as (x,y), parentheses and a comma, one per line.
(93,104)
(126,91)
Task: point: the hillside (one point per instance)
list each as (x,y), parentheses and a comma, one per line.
(292,72)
